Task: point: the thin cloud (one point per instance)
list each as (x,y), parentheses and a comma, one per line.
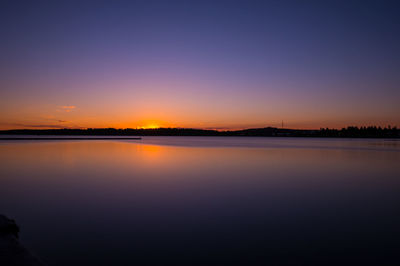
(38,126)
(52,118)
(44,126)
(67,108)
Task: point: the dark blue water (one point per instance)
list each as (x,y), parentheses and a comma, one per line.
(205,200)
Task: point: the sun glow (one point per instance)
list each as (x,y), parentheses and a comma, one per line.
(150,126)
(153,124)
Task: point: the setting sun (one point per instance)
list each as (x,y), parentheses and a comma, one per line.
(150,126)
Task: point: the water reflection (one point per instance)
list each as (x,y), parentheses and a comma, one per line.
(162,202)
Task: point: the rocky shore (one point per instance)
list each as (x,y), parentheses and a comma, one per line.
(12,252)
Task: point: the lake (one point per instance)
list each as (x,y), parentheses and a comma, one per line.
(205,200)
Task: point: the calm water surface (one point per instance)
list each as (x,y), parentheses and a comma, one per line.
(205,200)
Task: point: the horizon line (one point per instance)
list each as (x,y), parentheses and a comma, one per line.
(218,129)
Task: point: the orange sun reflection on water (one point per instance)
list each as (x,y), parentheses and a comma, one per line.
(150,152)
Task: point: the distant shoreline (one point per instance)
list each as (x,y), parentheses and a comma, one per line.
(71,138)
(349,132)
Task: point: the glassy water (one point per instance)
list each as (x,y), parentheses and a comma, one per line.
(205,200)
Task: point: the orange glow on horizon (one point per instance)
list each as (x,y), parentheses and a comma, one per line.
(150,126)
(81,119)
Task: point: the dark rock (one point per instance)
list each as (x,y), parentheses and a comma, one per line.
(8,226)
(12,252)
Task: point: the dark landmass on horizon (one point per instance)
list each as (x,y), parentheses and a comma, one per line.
(349,132)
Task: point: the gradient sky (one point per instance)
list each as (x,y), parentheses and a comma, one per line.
(204,64)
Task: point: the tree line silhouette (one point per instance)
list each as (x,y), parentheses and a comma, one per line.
(348,132)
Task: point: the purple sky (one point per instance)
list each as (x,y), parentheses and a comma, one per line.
(205,64)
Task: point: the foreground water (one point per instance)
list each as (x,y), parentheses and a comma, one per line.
(205,200)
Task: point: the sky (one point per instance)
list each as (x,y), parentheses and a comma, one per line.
(201,64)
